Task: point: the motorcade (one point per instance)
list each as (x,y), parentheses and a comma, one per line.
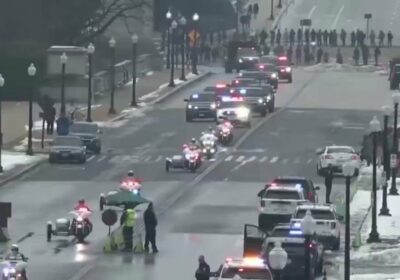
(201,106)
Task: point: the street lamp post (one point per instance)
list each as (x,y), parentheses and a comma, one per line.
(90,51)
(348,172)
(174,25)
(182,22)
(395,144)
(280,4)
(2,82)
(195,19)
(112,44)
(308,227)
(63,59)
(31,73)
(135,40)
(387,111)
(277,258)
(384,210)
(375,127)
(272,14)
(168,16)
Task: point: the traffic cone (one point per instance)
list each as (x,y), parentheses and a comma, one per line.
(4,236)
(357,240)
(138,248)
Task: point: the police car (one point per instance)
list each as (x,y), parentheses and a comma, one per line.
(292,241)
(278,204)
(234,109)
(327,221)
(257,99)
(243,268)
(201,105)
(337,156)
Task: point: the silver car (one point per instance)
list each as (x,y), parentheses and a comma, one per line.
(67,149)
(89,133)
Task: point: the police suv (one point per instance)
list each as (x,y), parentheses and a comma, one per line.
(278,204)
(257,99)
(201,105)
(234,109)
(327,221)
(292,241)
(243,268)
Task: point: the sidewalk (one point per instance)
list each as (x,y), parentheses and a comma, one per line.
(263,19)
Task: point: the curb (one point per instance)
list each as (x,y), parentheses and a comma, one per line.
(177,89)
(20,173)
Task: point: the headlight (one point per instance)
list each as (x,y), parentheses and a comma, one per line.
(240,60)
(273,75)
(190,106)
(260,100)
(212,150)
(288,69)
(79,219)
(6,271)
(12,270)
(243,112)
(204,150)
(268,97)
(213,106)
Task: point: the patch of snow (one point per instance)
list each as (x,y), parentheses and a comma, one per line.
(375,277)
(11,159)
(382,72)
(360,203)
(365,175)
(152,94)
(163,86)
(115,124)
(150,73)
(131,82)
(191,75)
(386,257)
(333,66)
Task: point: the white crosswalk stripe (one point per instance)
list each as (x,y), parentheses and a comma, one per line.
(236,158)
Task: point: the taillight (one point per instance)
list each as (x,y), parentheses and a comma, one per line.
(328,157)
(310,196)
(333,225)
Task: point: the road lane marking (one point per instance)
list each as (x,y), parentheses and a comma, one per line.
(148,159)
(311,12)
(159,158)
(90,158)
(274,159)
(238,166)
(253,158)
(337,17)
(263,159)
(309,161)
(103,157)
(229,158)
(240,159)
(296,161)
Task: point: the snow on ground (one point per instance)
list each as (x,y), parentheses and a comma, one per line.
(365,176)
(131,82)
(9,160)
(375,277)
(336,67)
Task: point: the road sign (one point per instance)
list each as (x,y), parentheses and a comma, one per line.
(367,16)
(393,160)
(109,217)
(305,22)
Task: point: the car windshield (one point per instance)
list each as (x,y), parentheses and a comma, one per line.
(280,232)
(246,273)
(202,97)
(340,150)
(231,104)
(67,141)
(269,60)
(317,214)
(247,52)
(83,128)
(278,194)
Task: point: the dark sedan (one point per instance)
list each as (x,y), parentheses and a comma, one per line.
(67,149)
(89,133)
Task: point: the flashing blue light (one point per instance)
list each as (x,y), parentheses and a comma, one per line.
(299,186)
(295,232)
(195,96)
(297,225)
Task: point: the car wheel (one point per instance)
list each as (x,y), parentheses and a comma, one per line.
(356,172)
(290,80)
(188,118)
(167,166)
(49,231)
(336,245)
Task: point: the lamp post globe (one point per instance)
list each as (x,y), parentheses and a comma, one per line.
(278,257)
(308,224)
(91,49)
(387,110)
(196,17)
(174,24)
(63,58)
(374,125)
(135,38)
(168,15)
(182,21)
(32,70)
(348,169)
(396,97)
(112,42)
(2,81)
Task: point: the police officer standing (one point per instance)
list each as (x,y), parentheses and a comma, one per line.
(150,223)
(128,221)
(203,271)
(328,183)
(377,53)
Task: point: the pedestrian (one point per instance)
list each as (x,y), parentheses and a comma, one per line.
(362,37)
(278,37)
(353,39)
(328,183)
(372,38)
(335,38)
(326,57)
(255,10)
(286,37)
(272,38)
(150,223)
(390,38)
(292,35)
(330,38)
(298,54)
(127,228)
(307,53)
(320,53)
(263,37)
(307,36)
(377,53)
(319,38)
(365,54)
(325,35)
(299,35)
(343,37)
(381,38)
(203,270)
(51,120)
(356,55)
(250,10)
(313,35)
(339,56)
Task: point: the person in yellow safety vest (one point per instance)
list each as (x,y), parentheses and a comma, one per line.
(128,224)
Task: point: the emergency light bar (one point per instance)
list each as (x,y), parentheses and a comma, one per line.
(220,86)
(282,58)
(228,99)
(261,66)
(295,232)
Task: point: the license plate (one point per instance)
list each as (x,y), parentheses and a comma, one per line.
(201,114)
(64,154)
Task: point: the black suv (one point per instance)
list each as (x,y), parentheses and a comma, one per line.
(89,134)
(201,106)
(257,98)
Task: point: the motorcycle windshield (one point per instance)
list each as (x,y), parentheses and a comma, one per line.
(81,213)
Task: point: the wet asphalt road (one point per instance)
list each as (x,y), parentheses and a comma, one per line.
(202,213)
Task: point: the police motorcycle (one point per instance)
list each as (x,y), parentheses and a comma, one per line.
(14,269)
(133,185)
(225,134)
(208,144)
(79,227)
(190,160)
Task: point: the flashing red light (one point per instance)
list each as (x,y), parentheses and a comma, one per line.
(220,86)
(237,81)
(261,66)
(240,269)
(282,58)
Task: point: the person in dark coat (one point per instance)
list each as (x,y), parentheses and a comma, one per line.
(319,38)
(320,53)
(298,54)
(203,271)
(272,37)
(339,56)
(377,53)
(381,38)
(250,9)
(299,35)
(343,35)
(326,35)
(278,37)
(356,55)
(255,10)
(292,35)
(390,38)
(328,183)
(263,37)
(365,54)
(307,35)
(50,118)
(150,223)
(353,39)
(313,35)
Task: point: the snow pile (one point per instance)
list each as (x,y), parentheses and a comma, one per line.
(380,258)
(336,67)
(10,160)
(364,178)
(375,277)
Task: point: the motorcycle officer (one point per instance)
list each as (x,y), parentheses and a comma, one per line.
(208,135)
(194,145)
(14,254)
(225,124)
(82,205)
